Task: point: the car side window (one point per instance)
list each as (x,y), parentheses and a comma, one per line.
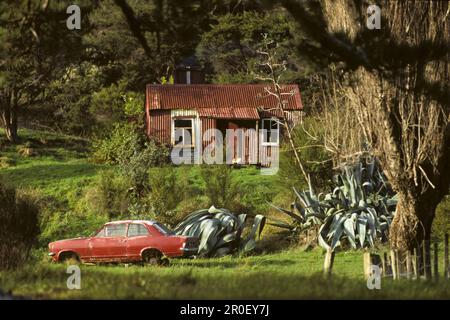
(135,230)
(116,230)
(101,233)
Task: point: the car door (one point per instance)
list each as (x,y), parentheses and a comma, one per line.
(138,238)
(110,244)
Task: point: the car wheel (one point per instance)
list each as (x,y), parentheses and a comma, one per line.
(152,257)
(165,262)
(69,258)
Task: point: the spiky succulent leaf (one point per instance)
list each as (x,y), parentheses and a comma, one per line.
(219,231)
(358,211)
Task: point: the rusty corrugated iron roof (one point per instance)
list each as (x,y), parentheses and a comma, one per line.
(229,113)
(214,96)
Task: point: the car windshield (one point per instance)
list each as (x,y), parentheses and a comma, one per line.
(163,229)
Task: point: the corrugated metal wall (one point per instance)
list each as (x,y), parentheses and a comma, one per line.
(158,125)
(160,122)
(252,147)
(207,123)
(269,155)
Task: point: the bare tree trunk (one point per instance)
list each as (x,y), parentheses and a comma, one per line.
(275,69)
(9,117)
(412,223)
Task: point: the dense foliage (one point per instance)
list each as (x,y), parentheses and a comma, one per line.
(18,227)
(230,48)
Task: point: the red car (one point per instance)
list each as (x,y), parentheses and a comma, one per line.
(126,241)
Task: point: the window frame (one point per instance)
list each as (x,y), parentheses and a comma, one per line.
(140,235)
(188,76)
(268,143)
(192,145)
(109,225)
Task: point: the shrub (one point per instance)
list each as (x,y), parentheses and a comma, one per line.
(166,192)
(18,227)
(120,144)
(187,206)
(220,188)
(163,192)
(26,150)
(136,167)
(70,224)
(107,105)
(109,195)
(441,223)
(128,147)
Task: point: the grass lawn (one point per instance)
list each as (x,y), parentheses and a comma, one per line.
(58,163)
(291,274)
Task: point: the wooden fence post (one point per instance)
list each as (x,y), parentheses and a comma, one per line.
(371,259)
(420,266)
(328,263)
(415,267)
(367,264)
(394,265)
(390,265)
(397,264)
(427,259)
(408,264)
(435,262)
(424,260)
(446,262)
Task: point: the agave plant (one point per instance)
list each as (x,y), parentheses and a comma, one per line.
(359,210)
(220,231)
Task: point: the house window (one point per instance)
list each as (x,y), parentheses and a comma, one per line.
(182,133)
(271,131)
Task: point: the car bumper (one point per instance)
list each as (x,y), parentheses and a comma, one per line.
(53,256)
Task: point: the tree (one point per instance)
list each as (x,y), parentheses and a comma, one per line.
(230,48)
(399,88)
(143,40)
(34,47)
